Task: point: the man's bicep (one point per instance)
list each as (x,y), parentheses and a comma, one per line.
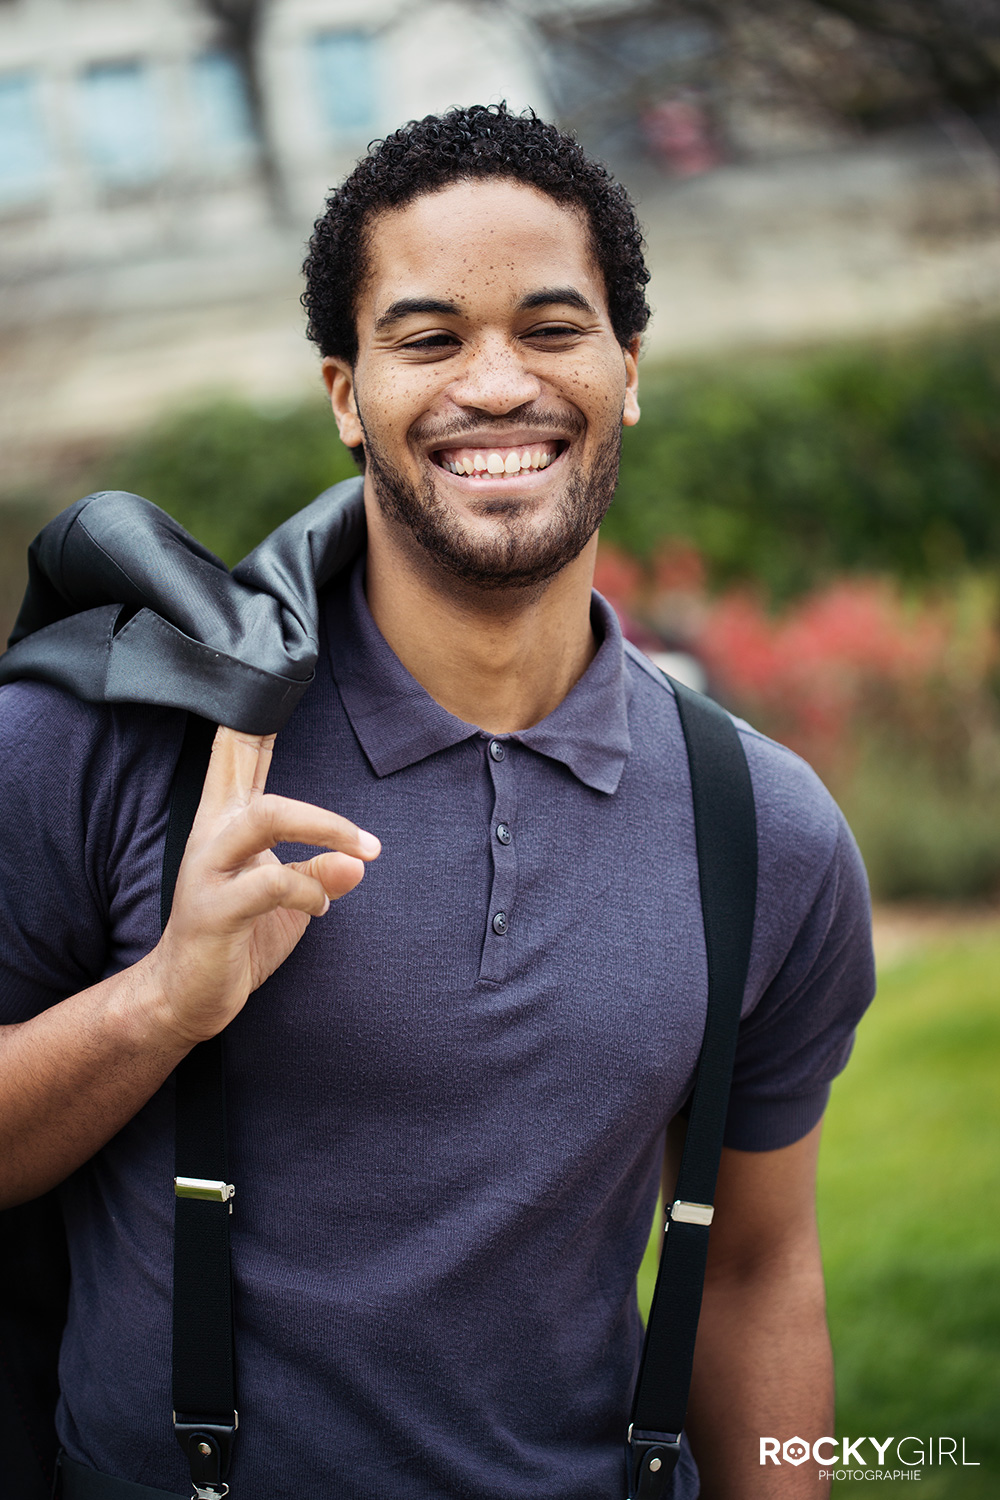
(764,1200)
(765,1206)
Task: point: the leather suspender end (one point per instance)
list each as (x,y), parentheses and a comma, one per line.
(651,1458)
(208,1448)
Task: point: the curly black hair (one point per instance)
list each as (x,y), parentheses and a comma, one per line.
(473,142)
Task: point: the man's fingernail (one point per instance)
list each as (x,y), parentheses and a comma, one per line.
(369,843)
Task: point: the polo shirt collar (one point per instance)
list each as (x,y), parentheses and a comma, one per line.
(398,723)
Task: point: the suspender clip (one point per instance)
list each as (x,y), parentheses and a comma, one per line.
(690,1213)
(206,1189)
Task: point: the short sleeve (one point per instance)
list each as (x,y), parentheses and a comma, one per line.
(55,755)
(815,970)
(84,790)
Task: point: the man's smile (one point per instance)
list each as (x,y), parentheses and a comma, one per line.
(512,456)
(491,462)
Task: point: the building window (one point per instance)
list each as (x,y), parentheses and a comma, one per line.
(24,158)
(121,123)
(344,72)
(224,125)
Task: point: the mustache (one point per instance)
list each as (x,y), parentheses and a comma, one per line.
(527,416)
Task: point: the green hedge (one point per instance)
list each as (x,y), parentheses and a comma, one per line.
(231,472)
(785,470)
(923,833)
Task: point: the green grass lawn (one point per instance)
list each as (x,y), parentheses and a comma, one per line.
(909,1205)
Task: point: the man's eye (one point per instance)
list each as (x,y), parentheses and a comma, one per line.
(553,331)
(432,341)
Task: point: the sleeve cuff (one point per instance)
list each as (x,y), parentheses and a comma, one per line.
(768,1124)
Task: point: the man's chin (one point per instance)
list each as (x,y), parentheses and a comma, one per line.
(490,557)
(502,542)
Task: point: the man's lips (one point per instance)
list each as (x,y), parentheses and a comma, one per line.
(499,461)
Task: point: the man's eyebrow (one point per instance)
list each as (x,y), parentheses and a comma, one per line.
(407,305)
(549,296)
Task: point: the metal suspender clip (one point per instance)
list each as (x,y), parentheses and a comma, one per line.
(690,1213)
(206,1189)
(652,1458)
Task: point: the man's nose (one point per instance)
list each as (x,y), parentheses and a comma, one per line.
(495,378)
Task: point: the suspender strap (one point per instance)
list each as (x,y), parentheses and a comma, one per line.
(726,839)
(204,1383)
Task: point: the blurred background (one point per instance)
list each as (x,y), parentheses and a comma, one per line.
(809,513)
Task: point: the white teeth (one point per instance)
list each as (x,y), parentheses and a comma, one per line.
(494,462)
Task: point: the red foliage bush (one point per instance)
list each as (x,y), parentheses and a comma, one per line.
(850,656)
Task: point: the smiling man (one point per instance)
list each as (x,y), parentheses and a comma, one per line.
(487,389)
(449,1093)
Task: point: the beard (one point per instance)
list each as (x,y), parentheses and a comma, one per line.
(517,554)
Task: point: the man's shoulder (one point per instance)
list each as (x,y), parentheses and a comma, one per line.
(45,715)
(56,747)
(792,802)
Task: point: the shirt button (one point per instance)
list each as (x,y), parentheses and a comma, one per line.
(503,833)
(500,923)
(497,750)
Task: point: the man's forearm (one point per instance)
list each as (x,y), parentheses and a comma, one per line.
(763,1368)
(71,1077)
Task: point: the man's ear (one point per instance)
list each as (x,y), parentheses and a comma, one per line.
(630,411)
(339,378)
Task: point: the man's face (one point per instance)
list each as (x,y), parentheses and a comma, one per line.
(489,390)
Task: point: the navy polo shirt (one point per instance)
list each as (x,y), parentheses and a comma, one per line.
(447,1107)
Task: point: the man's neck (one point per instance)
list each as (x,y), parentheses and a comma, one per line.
(501,659)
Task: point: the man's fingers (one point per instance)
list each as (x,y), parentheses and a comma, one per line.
(269,886)
(308,886)
(337,873)
(237,768)
(272,820)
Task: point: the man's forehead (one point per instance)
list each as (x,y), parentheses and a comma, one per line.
(497,236)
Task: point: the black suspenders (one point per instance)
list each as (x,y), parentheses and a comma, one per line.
(205,1412)
(726,836)
(204,1375)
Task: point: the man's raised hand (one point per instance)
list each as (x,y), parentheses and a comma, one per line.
(238,911)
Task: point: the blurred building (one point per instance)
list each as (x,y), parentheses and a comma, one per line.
(155,195)
(129,128)
(159,171)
